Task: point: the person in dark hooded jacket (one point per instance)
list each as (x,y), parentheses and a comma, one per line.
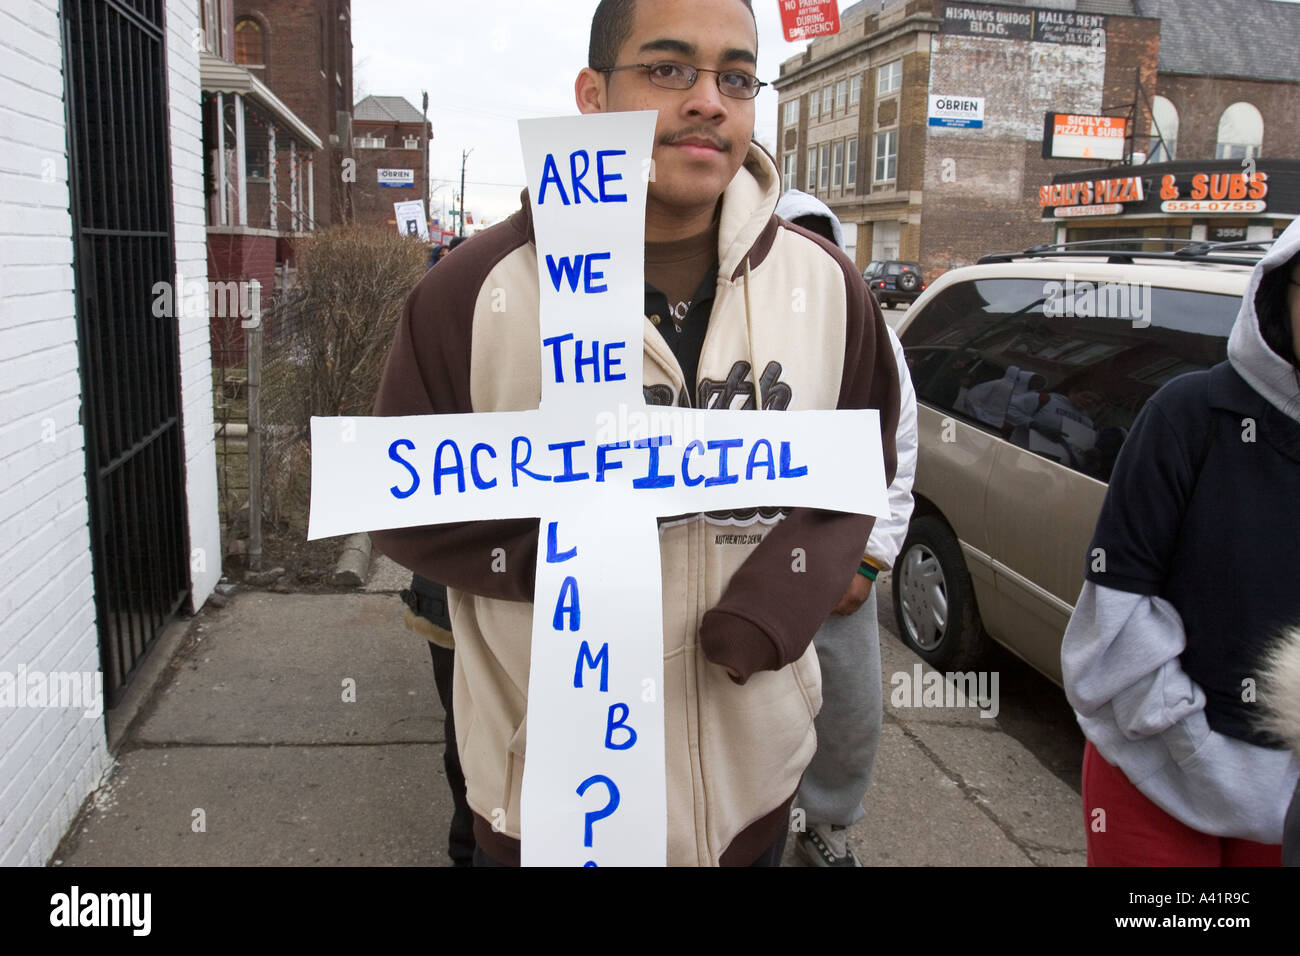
(1194,593)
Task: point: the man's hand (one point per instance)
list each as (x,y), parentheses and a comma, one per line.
(858,592)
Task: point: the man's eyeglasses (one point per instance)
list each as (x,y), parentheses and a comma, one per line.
(736,84)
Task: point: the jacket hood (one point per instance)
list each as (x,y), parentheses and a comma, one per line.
(747,208)
(1262,368)
(796,203)
(1280,686)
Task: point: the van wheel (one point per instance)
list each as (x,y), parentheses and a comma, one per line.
(934,601)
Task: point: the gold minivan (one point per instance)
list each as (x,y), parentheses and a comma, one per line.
(1029,370)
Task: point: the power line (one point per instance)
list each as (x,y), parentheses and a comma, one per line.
(471,182)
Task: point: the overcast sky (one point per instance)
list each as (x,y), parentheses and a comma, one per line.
(488,63)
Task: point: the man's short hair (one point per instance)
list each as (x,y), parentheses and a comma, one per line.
(612,25)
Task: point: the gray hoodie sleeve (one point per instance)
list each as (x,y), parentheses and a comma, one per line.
(1122,674)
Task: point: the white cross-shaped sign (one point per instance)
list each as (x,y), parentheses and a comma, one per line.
(597,466)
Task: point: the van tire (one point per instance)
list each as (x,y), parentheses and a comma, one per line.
(931,568)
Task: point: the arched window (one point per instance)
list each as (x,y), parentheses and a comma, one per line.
(1164,131)
(1241,132)
(250,51)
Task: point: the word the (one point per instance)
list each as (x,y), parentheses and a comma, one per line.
(102,909)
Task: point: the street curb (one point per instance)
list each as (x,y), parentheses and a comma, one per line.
(353,563)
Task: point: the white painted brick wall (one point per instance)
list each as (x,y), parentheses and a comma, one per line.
(192,262)
(49,759)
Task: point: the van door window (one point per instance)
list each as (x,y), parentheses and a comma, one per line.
(1061,370)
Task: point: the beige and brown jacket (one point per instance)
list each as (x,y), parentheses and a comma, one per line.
(788,304)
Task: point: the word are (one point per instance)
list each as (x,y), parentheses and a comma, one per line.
(102,909)
(716,462)
(577,186)
(957,689)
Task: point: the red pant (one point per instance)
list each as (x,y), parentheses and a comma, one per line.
(1133,831)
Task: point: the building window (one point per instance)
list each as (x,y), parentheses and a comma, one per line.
(814,101)
(889,78)
(1164,131)
(811,184)
(825,182)
(851,169)
(790,170)
(1241,132)
(855,90)
(792,112)
(212,27)
(370,142)
(886,156)
(841,94)
(837,171)
(827,101)
(249,48)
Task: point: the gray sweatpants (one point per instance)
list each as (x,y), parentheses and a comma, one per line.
(848,727)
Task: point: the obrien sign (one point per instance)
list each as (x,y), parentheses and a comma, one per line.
(959,112)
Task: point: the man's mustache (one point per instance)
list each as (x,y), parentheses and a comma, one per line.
(712,138)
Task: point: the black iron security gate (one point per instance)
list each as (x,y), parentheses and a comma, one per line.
(115,71)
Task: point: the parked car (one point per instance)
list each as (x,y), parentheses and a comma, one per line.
(893,280)
(1029,370)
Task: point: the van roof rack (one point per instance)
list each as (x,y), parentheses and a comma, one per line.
(1188,250)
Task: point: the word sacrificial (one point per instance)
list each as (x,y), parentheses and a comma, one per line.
(724,461)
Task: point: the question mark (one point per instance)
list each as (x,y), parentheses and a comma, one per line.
(609,808)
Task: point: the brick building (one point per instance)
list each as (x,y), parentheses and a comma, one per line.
(1222,97)
(862,124)
(391,142)
(302,49)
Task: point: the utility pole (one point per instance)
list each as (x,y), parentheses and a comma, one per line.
(424,155)
(463,156)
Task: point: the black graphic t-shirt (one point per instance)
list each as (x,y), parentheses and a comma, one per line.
(680,286)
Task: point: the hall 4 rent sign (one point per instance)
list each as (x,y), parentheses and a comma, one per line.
(809,19)
(594,784)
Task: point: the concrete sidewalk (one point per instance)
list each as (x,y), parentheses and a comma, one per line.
(248,753)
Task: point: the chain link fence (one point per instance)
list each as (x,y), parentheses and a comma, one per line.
(318,350)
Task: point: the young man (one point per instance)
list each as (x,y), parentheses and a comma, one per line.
(790,326)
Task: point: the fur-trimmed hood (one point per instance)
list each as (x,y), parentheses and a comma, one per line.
(1280,689)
